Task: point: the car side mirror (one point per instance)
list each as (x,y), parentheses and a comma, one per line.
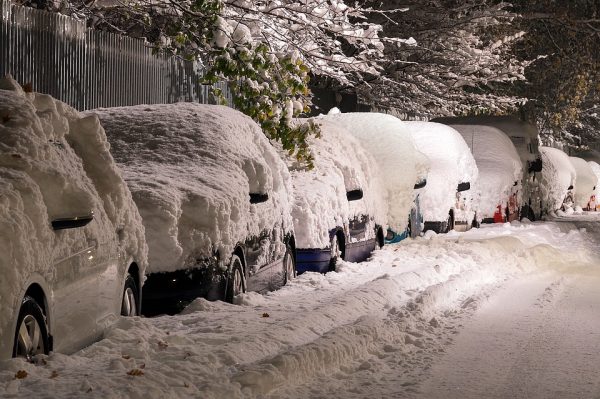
(420,184)
(354,195)
(535,166)
(463,187)
(257,198)
(72,223)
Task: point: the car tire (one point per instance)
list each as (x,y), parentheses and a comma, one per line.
(130,303)
(450,223)
(236,283)
(31,335)
(289,266)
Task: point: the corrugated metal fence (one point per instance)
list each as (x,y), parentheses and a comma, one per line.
(88,69)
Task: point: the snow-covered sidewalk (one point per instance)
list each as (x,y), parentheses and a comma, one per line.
(372,329)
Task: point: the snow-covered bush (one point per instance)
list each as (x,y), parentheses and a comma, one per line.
(191,168)
(558,174)
(400,164)
(499,167)
(55,163)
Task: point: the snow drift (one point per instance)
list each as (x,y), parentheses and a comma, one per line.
(191,168)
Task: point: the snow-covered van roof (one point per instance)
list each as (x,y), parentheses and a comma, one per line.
(498,162)
(558,175)
(451,163)
(55,163)
(524,135)
(320,203)
(400,163)
(191,168)
(585,183)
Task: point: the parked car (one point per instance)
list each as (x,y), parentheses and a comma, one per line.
(525,139)
(557,180)
(596,197)
(500,172)
(71,239)
(450,200)
(213,195)
(338,209)
(585,184)
(402,167)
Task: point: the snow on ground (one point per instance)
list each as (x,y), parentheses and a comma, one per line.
(372,329)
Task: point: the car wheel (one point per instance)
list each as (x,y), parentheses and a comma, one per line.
(31,336)
(236,284)
(289,266)
(335,253)
(130,302)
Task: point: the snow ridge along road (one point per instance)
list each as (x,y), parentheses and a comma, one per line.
(390,327)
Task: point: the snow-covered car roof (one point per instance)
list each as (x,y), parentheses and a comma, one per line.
(451,163)
(558,175)
(498,162)
(401,165)
(191,168)
(55,163)
(585,183)
(524,135)
(320,202)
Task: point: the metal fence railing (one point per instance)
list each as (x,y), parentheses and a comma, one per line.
(88,69)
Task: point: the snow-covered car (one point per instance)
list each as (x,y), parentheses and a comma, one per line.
(557,180)
(72,241)
(214,198)
(596,196)
(402,167)
(338,207)
(500,172)
(449,201)
(585,183)
(525,139)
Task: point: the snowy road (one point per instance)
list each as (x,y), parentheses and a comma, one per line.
(503,311)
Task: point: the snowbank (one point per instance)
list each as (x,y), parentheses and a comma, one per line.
(498,163)
(54,163)
(585,183)
(191,168)
(558,175)
(320,202)
(401,165)
(451,163)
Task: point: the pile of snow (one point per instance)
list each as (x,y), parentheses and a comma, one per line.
(558,174)
(451,164)
(585,184)
(320,203)
(191,168)
(54,163)
(401,165)
(498,163)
